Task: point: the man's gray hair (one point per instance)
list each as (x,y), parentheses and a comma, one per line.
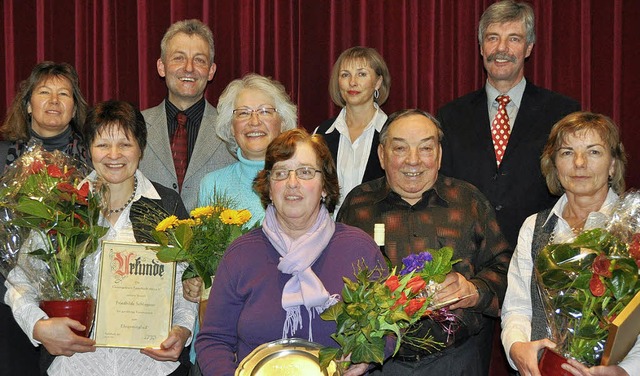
(409,112)
(508,11)
(189,27)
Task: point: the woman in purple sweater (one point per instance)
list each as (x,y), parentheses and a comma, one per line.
(275,281)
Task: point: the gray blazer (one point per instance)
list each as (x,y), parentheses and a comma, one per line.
(209,153)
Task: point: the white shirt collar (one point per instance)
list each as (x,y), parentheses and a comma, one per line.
(145,187)
(595,219)
(515,93)
(341,121)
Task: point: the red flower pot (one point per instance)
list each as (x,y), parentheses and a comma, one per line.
(81,310)
(550,363)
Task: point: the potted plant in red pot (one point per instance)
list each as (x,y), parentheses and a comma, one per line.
(52,214)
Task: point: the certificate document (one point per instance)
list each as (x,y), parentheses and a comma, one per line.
(135,297)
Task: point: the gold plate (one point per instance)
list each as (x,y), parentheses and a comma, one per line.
(285,357)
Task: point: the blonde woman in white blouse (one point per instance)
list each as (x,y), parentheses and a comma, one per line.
(359,83)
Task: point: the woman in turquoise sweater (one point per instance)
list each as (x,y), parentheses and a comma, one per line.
(252,111)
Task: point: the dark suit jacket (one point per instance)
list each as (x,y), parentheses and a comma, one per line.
(373,169)
(517,189)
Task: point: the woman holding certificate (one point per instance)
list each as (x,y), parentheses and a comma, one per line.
(274,281)
(584,162)
(115,133)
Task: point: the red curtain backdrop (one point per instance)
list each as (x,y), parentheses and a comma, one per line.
(586,49)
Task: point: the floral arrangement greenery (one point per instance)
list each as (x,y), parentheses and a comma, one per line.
(53,211)
(377,305)
(586,283)
(202,239)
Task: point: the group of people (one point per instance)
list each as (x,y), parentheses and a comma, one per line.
(483,177)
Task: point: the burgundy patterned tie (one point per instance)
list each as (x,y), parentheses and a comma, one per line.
(179,148)
(500,128)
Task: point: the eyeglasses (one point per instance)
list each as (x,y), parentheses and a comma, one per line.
(262,112)
(304,173)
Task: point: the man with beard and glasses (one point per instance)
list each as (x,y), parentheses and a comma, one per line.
(182,143)
(507,170)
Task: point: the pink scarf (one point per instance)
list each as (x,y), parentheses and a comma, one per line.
(298,255)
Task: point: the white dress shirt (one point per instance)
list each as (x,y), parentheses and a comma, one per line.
(353,156)
(515,94)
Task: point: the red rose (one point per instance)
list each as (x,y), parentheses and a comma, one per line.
(601,266)
(400,301)
(416,284)
(596,285)
(392,283)
(414,306)
(54,171)
(634,247)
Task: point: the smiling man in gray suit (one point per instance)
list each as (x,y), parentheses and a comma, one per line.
(186,63)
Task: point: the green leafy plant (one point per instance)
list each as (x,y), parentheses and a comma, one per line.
(585,284)
(46,195)
(202,239)
(376,305)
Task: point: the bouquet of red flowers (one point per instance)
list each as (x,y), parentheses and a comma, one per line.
(50,222)
(586,283)
(377,305)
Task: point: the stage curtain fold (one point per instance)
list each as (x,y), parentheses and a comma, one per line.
(586,49)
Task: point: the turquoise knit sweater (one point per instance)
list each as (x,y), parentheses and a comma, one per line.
(236,182)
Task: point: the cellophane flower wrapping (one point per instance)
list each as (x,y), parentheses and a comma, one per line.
(378,304)
(202,239)
(49,223)
(586,283)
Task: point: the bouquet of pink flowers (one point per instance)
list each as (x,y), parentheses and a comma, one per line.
(50,222)
(377,305)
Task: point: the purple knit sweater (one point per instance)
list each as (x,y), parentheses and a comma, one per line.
(245,310)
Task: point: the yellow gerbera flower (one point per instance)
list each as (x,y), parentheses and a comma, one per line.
(203,211)
(234,217)
(244,216)
(167,223)
(189,222)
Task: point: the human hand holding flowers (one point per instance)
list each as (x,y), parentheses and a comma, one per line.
(192,288)
(375,306)
(458,289)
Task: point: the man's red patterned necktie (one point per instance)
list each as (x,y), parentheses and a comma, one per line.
(179,148)
(500,129)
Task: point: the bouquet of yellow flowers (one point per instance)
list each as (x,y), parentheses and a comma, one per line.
(202,239)
(376,305)
(51,216)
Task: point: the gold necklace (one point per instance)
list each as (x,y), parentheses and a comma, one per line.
(577,229)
